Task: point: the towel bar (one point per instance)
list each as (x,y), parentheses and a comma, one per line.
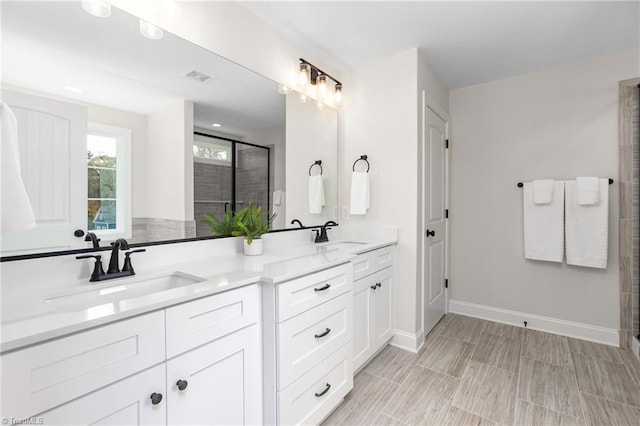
(520,184)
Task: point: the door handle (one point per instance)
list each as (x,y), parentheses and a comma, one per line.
(431,233)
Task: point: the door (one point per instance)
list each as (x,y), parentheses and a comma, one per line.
(52,139)
(434,223)
(127,402)
(362,315)
(219,383)
(382,308)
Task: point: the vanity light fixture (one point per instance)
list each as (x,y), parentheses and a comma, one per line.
(314,83)
(150,31)
(98,8)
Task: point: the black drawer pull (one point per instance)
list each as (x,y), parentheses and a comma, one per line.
(156,398)
(182,384)
(373,287)
(323,288)
(379,284)
(318,395)
(324,333)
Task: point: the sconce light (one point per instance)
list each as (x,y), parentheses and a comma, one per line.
(313,82)
(99,8)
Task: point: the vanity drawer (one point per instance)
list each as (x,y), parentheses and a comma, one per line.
(299,295)
(47,375)
(372,261)
(195,323)
(304,401)
(310,337)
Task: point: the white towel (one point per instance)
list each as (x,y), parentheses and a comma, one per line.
(278,195)
(587,227)
(588,190)
(316,194)
(17,214)
(544,225)
(542,191)
(359,193)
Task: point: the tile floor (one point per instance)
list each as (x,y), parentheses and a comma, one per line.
(476,372)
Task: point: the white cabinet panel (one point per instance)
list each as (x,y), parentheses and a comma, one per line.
(382,310)
(223,382)
(362,324)
(194,323)
(49,374)
(127,402)
(314,395)
(304,293)
(310,337)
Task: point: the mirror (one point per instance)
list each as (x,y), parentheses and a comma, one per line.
(118,134)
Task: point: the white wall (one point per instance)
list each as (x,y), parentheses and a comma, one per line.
(138,125)
(559,123)
(170,162)
(311,135)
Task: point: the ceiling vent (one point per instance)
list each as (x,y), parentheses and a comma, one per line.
(198,76)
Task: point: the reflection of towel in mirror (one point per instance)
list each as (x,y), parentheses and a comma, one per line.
(359,193)
(17,214)
(316,194)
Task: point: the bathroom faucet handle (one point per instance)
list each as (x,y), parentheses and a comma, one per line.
(97,268)
(127,261)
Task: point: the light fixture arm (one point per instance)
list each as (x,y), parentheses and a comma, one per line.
(314,72)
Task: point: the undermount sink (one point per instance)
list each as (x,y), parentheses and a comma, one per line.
(120,290)
(342,245)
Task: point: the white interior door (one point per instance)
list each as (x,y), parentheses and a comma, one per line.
(52,140)
(434,223)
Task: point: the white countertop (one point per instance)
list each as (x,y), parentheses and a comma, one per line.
(34,320)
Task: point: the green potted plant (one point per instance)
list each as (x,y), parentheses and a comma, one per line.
(251,224)
(224,227)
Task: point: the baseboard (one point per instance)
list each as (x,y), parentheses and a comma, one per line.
(407,341)
(578,330)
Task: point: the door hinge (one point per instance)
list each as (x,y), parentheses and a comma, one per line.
(446,144)
(446,213)
(446,283)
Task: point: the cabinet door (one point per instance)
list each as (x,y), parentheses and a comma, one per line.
(127,402)
(362,321)
(223,382)
(382,308)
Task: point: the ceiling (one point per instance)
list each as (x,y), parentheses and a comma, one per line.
(49,45)
(466,43)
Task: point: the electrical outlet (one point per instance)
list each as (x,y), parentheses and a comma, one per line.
(345,213)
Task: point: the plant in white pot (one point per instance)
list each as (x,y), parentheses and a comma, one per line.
(251,224)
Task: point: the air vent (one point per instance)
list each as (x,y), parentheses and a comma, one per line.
(198,76)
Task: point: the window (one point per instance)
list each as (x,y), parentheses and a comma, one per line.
(109,182)
(209,152)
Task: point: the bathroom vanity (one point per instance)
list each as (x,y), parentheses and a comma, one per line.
(269,341)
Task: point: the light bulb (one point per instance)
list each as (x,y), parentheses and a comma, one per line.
(322,85)
(150,31)
(98,8)
(338,94)
(303,77)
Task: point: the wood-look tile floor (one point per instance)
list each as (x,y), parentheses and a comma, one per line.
(476,372)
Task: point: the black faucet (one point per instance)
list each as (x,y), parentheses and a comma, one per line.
(114,261)
(95,241)
(321,236)
(298,222)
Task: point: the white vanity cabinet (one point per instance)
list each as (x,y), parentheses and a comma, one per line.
(121,374)
(373,274)
(308,332)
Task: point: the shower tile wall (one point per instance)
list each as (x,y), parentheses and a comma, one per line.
(212,188)
(629,226)
(252,177)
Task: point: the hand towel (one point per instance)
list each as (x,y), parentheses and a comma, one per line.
(17,214)
(359,193)
(588,190)
(277,197)
(587,227)
(544,225)
(542,191)
(316,194)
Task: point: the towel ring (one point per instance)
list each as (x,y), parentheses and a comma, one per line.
(362,158)
(316,163)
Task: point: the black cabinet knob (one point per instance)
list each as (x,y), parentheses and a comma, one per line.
(182,384)
(431,233)
(78,233)
(378,285)
(156,398)
(373,287)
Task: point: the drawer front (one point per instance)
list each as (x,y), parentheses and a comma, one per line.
(195,323)
(50,374)
(126,402)
(372,261)
(310,337)
(383,258)
(306,402)
(302,294)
